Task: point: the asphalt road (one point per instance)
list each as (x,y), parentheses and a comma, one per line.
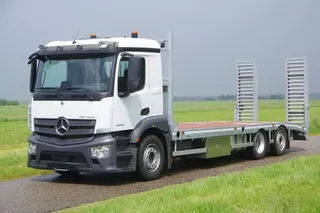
(53,192)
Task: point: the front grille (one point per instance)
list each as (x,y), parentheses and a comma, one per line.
(80,131)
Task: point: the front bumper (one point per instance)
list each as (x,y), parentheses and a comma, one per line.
(122,157)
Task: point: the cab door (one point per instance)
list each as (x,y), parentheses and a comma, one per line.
(129,110)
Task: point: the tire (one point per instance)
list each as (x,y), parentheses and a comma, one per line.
(281,141)
(259,148)
(151,148)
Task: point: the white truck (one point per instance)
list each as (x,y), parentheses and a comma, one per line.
(102,105)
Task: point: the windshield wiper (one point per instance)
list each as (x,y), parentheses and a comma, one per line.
(84,89)
(52,88)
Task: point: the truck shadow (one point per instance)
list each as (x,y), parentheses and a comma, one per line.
(223,164)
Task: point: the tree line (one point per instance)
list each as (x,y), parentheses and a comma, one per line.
(5,102)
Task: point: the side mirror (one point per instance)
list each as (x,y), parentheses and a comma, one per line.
(33,76)
(135,73)
(33,71)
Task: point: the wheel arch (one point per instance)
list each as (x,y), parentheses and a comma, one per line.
(166,145)
(157,126)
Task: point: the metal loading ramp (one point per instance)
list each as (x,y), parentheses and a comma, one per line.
(297,97)
(246,108)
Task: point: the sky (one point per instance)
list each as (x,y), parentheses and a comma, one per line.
(208,37)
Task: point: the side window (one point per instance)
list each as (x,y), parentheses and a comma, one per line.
(53,74)
(123,66)
(141,83)
(123,73)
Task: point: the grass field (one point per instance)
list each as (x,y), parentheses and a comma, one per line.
(13,150)
(14,130)
(13,113)
(292,186)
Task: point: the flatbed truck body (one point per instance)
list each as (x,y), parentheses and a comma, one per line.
(84,129)
(233,135)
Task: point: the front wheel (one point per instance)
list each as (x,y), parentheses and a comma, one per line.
(151,158)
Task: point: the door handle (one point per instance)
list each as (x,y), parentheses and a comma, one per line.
(145,111)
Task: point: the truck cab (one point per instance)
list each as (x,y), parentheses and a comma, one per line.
(98,106)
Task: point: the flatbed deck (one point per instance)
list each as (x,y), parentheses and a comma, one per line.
(186,126)
(193,130)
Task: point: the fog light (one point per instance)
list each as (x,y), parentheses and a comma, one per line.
(32,149)
(100,151)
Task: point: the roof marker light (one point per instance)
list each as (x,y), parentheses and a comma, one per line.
(93,36)
(134,34)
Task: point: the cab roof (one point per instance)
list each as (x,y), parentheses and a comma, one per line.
(122,42)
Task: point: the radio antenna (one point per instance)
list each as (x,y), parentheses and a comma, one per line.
(74,41)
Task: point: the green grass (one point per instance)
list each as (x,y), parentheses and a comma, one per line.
(14,128)
(14,134)
(13,113)
(291,186)
(14,150)
(13,165)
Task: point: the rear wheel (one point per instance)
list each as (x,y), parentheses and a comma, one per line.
(151,158)
(280,142)
(259,148)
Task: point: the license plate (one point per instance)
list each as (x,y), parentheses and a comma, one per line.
(57,166)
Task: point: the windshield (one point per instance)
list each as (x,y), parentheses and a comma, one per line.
(92,74)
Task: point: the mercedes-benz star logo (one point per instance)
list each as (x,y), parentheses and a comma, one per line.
(62,126)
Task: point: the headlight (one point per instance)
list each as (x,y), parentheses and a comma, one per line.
(32,148)
(100,151)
